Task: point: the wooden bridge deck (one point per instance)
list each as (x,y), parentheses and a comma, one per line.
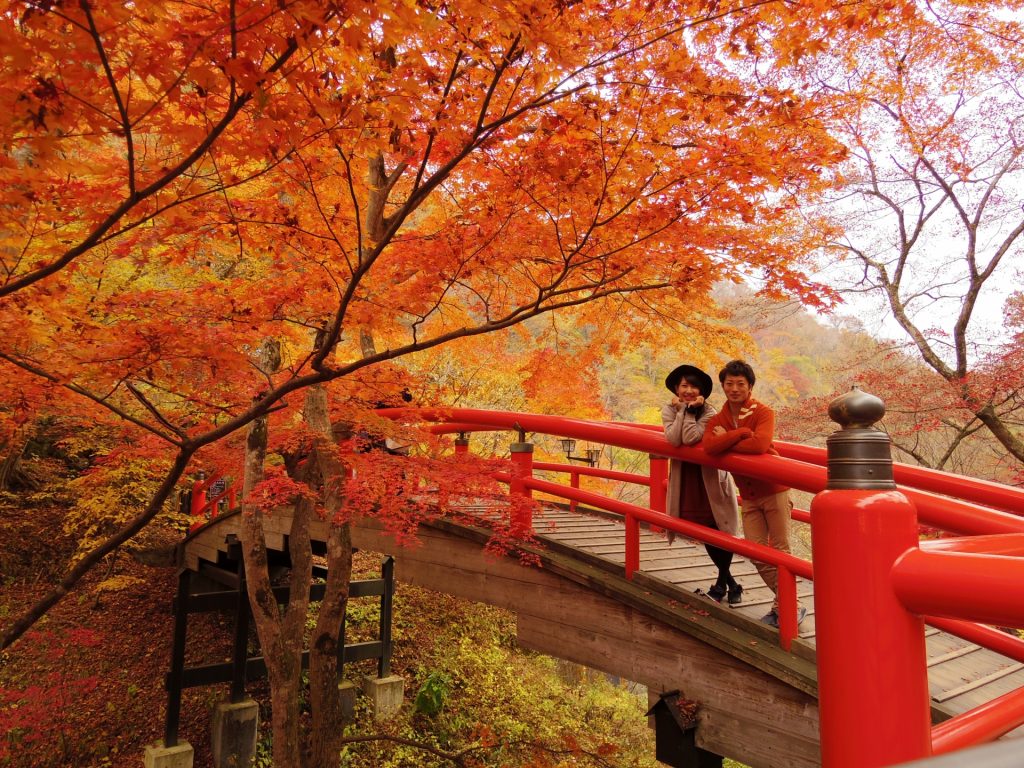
(961,675)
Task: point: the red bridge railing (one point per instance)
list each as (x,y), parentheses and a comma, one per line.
(876,583)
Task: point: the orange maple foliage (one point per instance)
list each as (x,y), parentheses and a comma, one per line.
(363,182)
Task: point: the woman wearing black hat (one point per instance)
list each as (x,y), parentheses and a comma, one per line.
(698,493)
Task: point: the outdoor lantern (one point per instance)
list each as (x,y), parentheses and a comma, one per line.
(569,445)
(675,726)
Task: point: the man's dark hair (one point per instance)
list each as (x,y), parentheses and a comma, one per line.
(737,368)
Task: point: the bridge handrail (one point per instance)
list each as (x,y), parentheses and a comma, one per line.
(933,509)
(810,475)
(789,566)
(604,474)
(1007,498)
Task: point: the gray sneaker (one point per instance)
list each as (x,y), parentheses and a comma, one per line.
(772,617)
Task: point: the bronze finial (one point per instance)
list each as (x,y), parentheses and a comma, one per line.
(859,455)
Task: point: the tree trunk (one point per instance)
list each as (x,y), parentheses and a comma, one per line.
(281,644)
(988,416)
(13,452)
(324,673)
(282,654)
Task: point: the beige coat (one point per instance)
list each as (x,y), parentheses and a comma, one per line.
(682,428)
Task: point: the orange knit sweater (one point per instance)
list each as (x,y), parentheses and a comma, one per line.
(751,432)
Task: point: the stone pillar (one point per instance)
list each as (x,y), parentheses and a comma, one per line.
(234,733)
(347,689)
(159,756)
(385,693)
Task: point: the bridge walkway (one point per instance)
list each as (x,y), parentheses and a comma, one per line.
(961,675)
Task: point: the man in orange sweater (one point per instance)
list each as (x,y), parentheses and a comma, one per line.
(745,425)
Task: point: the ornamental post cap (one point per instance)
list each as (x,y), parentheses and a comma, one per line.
(856,409)
(859,455)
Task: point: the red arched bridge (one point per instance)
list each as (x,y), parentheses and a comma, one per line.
(901,656)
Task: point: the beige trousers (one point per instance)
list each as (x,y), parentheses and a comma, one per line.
(766,521)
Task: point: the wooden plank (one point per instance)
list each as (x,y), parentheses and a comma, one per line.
(957,672)
(591,539)
(202,551)
(1008,670)
(990,690)
(958,653)
(606,549)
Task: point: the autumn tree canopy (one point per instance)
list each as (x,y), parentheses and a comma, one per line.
(209,213)
(927,213)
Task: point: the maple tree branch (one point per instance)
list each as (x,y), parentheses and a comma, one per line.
(122,111)
(93,238)
(499,70)
(102,401)
(37,610)
(432,133)
(153,410)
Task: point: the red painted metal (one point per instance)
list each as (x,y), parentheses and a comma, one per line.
(795,565)
(872,665)
(574,482)
(948,514)
(522,471)
(632,546)
(657,498)
(198,502)
(963,585)
(1009,544)
(658,483)
(606,474)
(788,626)
(995,495)
(986,722)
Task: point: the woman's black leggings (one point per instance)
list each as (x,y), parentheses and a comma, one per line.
(722,558)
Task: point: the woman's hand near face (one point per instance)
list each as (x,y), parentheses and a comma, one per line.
(697,402)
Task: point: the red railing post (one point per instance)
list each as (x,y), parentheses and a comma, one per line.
(659,485)
(198,495)
(461,445)
(574,482)
(632,546)
(522,467)
(872,665)
(788,625)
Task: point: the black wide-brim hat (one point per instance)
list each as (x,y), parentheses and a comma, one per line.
(704,384)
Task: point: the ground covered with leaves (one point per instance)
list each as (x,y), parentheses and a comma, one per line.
(85,687)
